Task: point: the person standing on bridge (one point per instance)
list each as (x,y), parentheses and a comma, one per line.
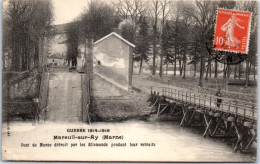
(219,100)
(46,110)
(52,66)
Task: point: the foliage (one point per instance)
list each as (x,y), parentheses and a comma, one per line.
(98,20)
(73,36)
(127,31)
(143,40)
(168,42)
(25,23)
(132,10)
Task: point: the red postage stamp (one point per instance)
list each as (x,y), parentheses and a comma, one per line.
(232,31)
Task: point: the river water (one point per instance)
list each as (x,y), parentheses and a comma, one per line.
(154,141)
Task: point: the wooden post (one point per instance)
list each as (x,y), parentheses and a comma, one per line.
(253,112)
(204,100)
(182,95)
(229,106)
(236,108)
(210,102)
(244,114)
(190,97)
(85,57)
(199,100)
(87,82)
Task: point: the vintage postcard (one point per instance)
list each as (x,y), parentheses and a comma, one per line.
(129,80)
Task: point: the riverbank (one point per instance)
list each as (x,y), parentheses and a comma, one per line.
(236,87)
(130,106)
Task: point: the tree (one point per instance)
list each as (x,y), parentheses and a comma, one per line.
(251,58)
(26,22)
(167,43)
(230,4)
(127,30)
(195,48)
(142,42)
(155,12)
(184,40)
(165,12)
(203,14)
(41,24)
(73,38)
(98,20)
(133,10)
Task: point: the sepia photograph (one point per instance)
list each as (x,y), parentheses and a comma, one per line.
(129,80)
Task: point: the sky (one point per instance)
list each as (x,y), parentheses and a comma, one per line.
(66,11)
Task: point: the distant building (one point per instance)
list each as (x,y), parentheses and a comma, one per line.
(113,60)
(57,40)
(56,59)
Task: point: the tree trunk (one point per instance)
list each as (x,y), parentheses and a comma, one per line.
(216,68)
(167,67)
(210,69)
(184,69)
(161,63)
(180,68)
(15,61)
(154,51)
(239,71)
(228,71)
(250,66)
(175,63)
(247,72)
(141,65)
(36,54)
(3,59)
(23,61)
(224,72)
(154,45)
(254,72)
(207,72)
(195,69)
(235,72)
(201,70)
(28,61)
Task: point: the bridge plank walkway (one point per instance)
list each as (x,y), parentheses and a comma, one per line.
(64,99)
(247,110)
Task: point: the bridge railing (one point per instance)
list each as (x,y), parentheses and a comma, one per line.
(44,86)
(245,109)
(85,98)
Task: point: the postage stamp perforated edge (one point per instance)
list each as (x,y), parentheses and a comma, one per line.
(248,33)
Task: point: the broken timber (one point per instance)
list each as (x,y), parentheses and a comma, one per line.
(234,120)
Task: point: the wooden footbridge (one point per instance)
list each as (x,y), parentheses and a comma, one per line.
(235,120)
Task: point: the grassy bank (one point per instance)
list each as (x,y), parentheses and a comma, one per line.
(236,87)
(120,108)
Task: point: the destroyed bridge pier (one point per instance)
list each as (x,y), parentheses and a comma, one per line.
(232,119)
